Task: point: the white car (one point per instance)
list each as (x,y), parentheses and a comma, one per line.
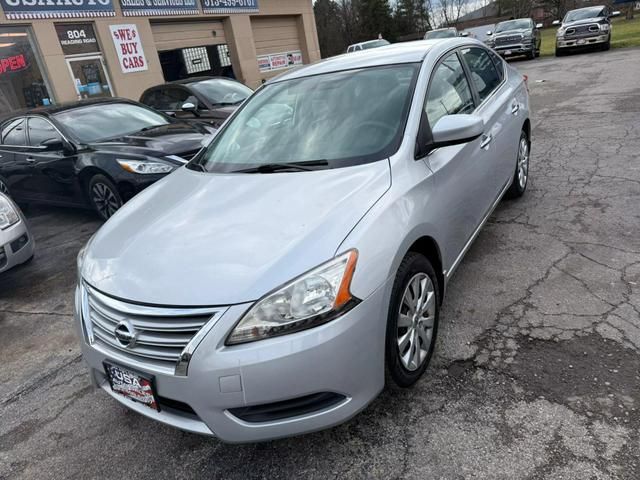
(16,243)
(356,47)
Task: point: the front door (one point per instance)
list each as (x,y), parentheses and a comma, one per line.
(89,76)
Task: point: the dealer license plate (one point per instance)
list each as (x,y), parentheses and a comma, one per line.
(507,52)
(132,385)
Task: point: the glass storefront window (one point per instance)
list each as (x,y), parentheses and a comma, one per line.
(22,81)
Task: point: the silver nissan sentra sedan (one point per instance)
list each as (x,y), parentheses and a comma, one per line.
(275,283)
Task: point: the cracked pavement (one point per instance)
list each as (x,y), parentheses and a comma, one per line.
(537,372)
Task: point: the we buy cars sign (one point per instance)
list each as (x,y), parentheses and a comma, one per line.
(129,47)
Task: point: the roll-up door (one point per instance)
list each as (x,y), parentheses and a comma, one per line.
(275,35)
(173,35)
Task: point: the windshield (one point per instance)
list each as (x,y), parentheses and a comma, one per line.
(374,44)
(108,120)
(341,118)
(222,92)
(584,13)
(440,34)
(514,25)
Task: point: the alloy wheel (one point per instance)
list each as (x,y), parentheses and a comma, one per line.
(105,200)
(523,163)
(416,319)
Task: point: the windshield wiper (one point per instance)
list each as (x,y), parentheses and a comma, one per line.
(277,167)
(197,166)
(151,127)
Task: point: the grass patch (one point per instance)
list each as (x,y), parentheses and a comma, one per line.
(626,33)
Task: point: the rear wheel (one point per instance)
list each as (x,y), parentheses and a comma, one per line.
(104,196)
(412,322)
(521,175)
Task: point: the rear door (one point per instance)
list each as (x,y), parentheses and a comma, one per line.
(495,99)
(15,171)
(54,177)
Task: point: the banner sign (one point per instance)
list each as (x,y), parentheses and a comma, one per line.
(77,38)
(129,47)
(230,6)
(30,9)
(278,61)
(136,8)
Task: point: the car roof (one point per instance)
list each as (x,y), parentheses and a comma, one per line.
(406,52)
(189,80)
(48,110)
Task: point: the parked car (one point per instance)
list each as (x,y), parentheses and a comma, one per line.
(204,99)
(16,243)
(450,32)
(263,290)
(93,153)
(367,45)
(516,37)
(584,27)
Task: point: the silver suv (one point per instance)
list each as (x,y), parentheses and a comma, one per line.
(264,289)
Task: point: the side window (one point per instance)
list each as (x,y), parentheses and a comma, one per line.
(498,62)
(40,130)
(170,99)
(150,99)
(13,132)
(484,75)
(449,91)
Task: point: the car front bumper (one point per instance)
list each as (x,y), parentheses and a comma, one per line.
(514,50)
(16,245)
(344,357)
(582,41)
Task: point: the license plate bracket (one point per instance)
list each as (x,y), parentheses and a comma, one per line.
(137,387)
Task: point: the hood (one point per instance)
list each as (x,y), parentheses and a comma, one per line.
(583,21)
(515,31)
(203,239)
(173,139)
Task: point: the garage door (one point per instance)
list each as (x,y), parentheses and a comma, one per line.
(172,35)
(275,35)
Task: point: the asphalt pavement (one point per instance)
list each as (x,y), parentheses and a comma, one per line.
(537,370)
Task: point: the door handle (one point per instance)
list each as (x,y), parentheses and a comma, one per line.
(486,140)
(515,107)
(31,160)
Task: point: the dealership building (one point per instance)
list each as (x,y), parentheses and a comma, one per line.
(52,51)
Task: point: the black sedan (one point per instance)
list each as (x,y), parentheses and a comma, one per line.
(206,99)
(95,153)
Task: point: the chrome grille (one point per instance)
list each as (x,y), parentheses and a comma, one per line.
(582,30)
(163,338)
(508,40)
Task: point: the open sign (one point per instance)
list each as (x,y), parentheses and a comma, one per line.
(14,63)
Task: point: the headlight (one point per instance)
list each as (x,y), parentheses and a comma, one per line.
(80,258)
(560,32)
(145,168)
(526,35)
(312,299)
(8,214)
(605,27)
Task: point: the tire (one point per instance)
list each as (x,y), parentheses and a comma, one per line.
(103,196)
(560,52)
(532,54)
(414,275)
(521,174)
(606,46)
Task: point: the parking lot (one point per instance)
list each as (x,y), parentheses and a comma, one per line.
(536,373)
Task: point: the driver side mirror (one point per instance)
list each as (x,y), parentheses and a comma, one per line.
(489,32)
(190,105)
(539,25)
(57,144)
(555,22)
(456,130)
(615,13)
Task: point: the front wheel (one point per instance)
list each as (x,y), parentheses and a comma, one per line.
(104,196)
(607,45)
(521,175)
(412,321)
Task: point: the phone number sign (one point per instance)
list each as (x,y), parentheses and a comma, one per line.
(229,6)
